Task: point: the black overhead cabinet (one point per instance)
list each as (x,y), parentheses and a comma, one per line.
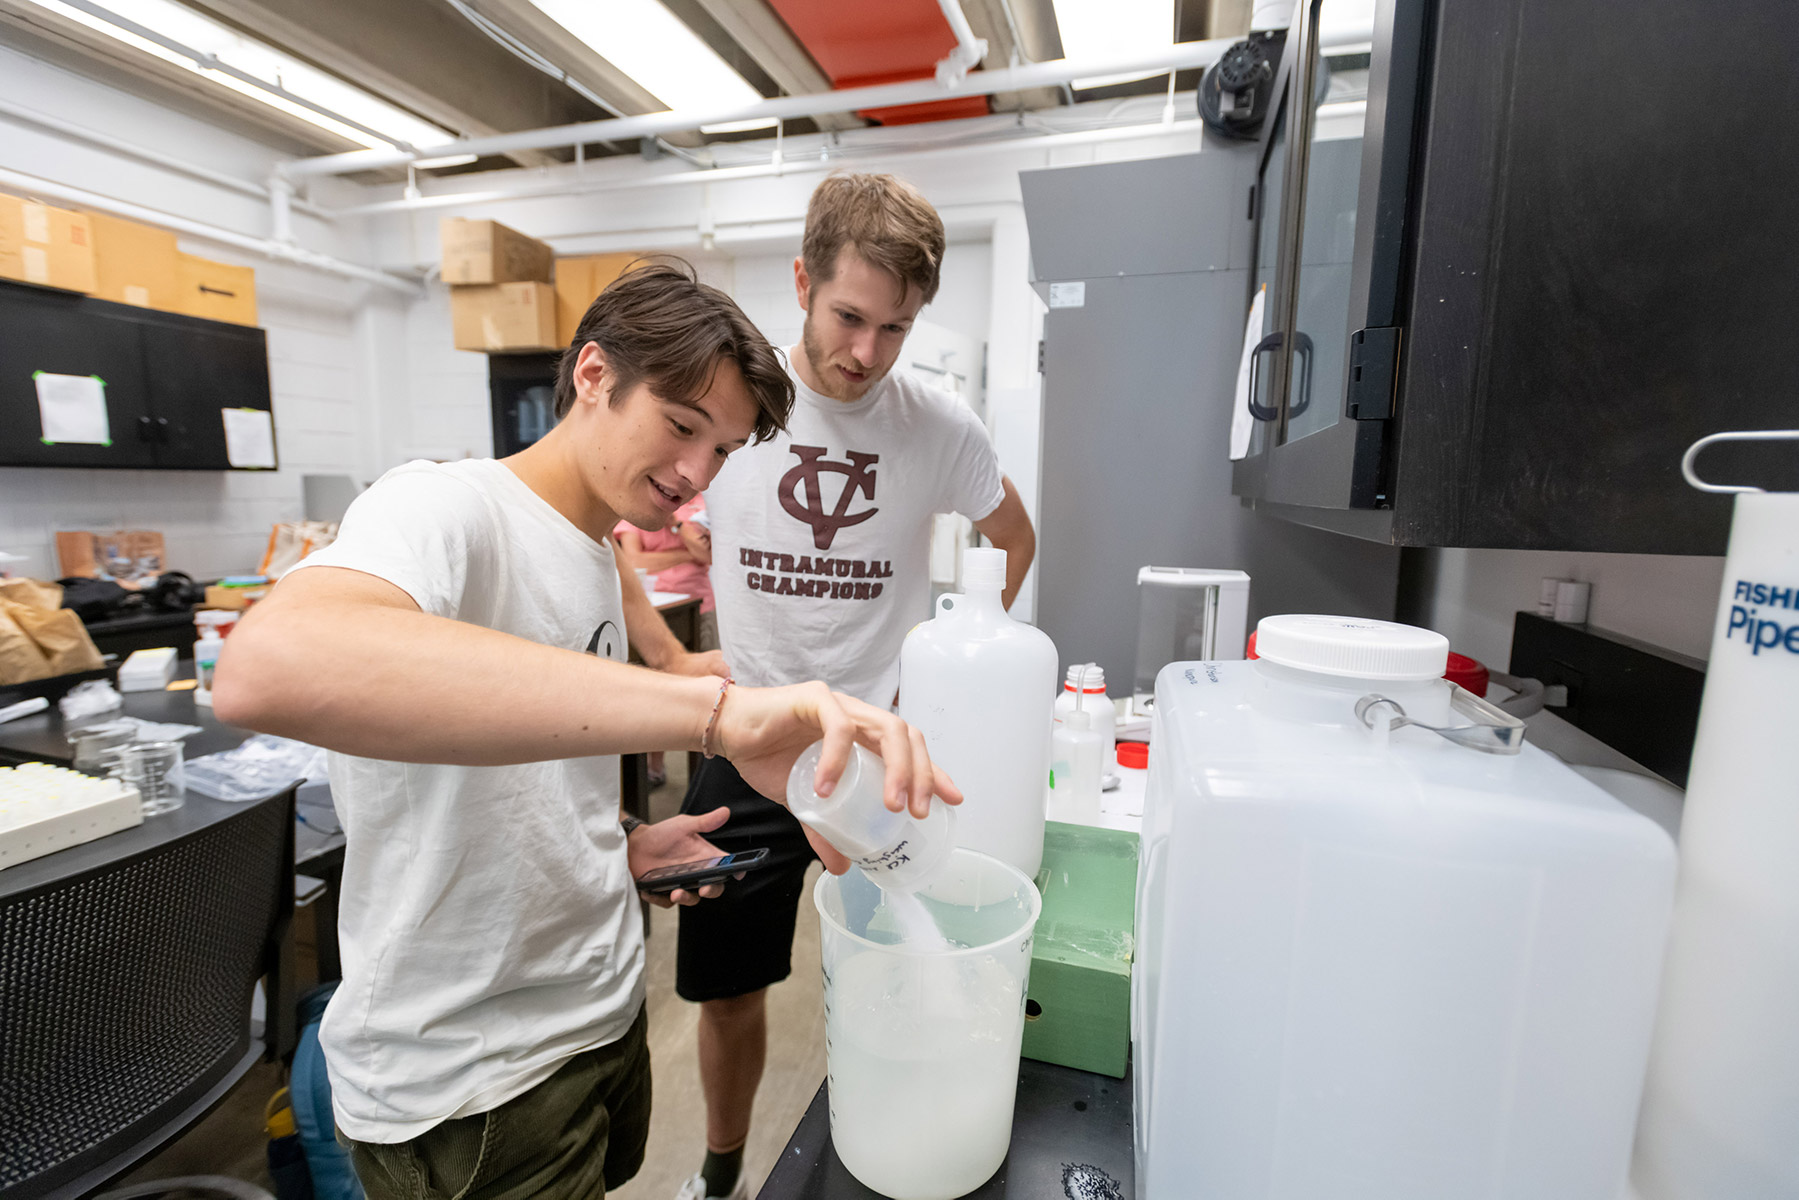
(167,379)
(1516,260)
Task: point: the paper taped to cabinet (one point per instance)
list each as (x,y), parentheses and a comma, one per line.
(1241,422)
(249,437)
(72,409)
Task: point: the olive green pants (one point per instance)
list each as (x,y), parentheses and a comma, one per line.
(574,1136)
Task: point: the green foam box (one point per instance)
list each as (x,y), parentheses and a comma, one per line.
(1078,1008)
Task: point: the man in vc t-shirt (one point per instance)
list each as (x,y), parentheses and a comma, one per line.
(459,649)
(820,565)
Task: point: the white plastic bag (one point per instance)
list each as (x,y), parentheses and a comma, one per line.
(89,699)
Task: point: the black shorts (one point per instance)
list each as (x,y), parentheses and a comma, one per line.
(742,941)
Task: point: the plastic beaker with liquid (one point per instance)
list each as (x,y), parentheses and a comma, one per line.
(924,1015)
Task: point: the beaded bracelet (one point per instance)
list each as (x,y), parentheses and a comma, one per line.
(712,721)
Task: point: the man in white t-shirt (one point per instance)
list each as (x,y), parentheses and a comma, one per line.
(820,565)
(460,651)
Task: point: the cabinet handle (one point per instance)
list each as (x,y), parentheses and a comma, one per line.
(1262,412)
(1303,344)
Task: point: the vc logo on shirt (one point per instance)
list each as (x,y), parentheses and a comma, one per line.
(858,476)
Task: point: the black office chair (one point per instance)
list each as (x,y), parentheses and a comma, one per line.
(127,970)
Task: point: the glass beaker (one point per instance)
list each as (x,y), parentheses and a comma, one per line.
(894,847)
(94,745)
(156,770)
(922,1033)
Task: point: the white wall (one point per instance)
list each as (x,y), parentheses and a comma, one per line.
(449,410)
(1471,595)
(214,522)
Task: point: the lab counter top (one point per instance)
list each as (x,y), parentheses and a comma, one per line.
(1071,1140)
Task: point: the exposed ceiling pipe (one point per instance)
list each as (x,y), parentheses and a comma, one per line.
(282,251)
(976,83)
(969,51)
(584,185)
(212,62)
(155,158)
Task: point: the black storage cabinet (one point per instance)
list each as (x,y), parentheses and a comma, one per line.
(167,379)
(1573,255)
(523,392)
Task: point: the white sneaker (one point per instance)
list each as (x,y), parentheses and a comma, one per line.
(695,1189)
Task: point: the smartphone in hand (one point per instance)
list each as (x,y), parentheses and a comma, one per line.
(695,875)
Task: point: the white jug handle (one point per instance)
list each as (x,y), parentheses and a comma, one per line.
(1738,435)
(1490,730)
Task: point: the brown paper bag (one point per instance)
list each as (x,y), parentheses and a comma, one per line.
(20,659)
(59,635)
(32,593)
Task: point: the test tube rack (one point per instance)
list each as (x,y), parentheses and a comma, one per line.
(45,808)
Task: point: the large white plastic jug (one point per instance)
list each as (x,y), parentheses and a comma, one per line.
(982,689)
(1377,963)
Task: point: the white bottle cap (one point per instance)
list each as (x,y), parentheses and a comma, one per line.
(1093,679)
(983,566)
(1078,719)
(1352,647)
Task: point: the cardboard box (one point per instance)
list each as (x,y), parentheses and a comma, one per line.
(504,317)
(488,252)
(217,291)
(578,281)
(233,599)
(135,264)
(1078,1006)
(51,247)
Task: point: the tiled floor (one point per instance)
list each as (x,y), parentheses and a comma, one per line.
(230,1141)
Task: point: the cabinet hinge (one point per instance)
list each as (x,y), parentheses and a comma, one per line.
(1041,352)
(1373,373)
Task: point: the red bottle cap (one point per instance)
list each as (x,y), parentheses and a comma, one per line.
(1468,673)
(1134,755)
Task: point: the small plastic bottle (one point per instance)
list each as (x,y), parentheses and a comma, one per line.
(894,849)
(1075,767)
(1086,682)
(206,658)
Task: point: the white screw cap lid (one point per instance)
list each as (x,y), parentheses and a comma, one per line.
(1352,647)
(1088,677)
(983,566)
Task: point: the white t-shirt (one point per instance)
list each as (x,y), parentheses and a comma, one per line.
(821,536)
(488,921)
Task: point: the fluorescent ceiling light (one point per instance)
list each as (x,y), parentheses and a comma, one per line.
(383,125)
(448,160)
(1114,29)
(660,54)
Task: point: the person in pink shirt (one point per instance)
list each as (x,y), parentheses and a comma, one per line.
(677,559)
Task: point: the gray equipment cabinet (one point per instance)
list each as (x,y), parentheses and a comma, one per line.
(1139,369)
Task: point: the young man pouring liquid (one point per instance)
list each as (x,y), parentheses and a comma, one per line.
(820,565)
(460,650)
